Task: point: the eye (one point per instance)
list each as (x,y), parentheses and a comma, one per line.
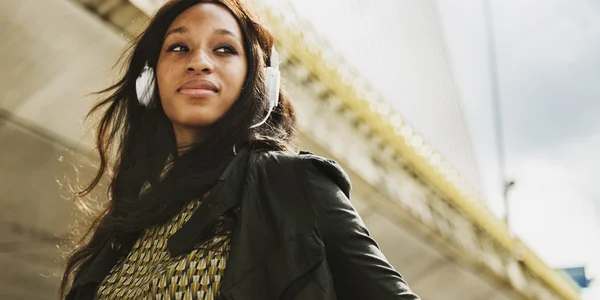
(178,47)
(227,49)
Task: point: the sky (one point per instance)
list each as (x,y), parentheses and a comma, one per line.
(548,55)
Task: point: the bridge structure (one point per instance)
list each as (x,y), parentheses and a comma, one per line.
(429,220)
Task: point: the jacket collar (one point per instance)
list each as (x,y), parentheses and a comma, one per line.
(225,195)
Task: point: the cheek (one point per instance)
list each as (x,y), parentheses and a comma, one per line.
(236,78)
(162,77)
(166,85)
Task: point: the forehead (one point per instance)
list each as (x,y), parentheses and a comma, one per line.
(206,16)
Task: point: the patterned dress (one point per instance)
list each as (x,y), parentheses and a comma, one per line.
(149,271)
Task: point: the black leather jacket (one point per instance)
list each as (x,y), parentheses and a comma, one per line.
(297,235)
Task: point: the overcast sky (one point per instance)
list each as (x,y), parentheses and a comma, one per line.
(549,68)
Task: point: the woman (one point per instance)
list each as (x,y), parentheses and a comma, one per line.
(206,198)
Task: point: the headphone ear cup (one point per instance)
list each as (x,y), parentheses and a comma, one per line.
(144,86)
(272,86)
(276,90)
(272,79)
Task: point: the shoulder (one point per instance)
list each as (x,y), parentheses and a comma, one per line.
(303,165)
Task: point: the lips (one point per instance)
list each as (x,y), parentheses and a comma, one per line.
(198,88)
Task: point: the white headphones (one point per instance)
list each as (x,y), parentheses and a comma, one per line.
(144,85)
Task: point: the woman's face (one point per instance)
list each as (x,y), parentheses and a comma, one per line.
(201,69)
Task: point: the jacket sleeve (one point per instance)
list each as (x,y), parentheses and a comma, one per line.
(359,268)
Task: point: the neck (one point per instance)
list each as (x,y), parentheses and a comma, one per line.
(187,137)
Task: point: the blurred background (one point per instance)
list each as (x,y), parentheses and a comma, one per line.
(470,130)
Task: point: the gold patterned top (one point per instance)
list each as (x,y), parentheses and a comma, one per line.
(149,271)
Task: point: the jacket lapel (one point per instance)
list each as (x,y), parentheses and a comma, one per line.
(225,195)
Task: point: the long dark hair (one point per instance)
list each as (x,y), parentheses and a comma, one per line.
(134,141)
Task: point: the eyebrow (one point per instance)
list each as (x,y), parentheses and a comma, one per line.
(223,31)
(182,30)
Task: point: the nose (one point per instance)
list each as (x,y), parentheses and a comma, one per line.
(200,62)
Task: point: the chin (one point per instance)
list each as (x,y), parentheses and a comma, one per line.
(195,116)
(197,122)
(198,119)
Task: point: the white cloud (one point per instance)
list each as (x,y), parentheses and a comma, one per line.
(552,213)
(557,32)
